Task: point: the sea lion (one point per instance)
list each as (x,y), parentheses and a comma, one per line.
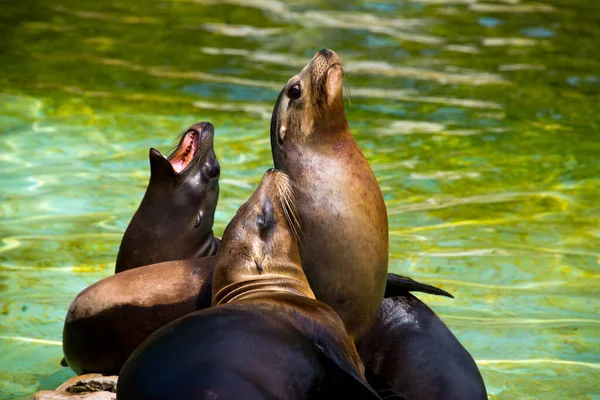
(344,248)
(414,351)
(175,219)
(107,321)
(266,336)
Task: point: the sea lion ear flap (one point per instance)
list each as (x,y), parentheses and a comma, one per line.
(159,165)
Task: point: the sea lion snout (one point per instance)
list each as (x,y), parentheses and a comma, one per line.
(326,52)
(327,76)
(203,129)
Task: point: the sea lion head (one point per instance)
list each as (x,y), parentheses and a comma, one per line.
(259,248)
(310,106)
(189,177)
(175,219)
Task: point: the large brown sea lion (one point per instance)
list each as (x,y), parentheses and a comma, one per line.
(175,219)
(344,248)
(107,321)
(267,337)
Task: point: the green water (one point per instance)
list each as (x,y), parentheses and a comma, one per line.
(480,120)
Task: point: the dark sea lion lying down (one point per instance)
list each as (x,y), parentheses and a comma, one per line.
(266,336)
(414,351)
(175,219)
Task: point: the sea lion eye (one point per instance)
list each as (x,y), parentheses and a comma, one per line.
(211,169)
(266,220)
(198,219)
(294,91)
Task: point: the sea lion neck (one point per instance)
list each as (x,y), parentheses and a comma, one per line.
(242,289)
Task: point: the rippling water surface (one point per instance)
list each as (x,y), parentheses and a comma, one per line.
(480,120)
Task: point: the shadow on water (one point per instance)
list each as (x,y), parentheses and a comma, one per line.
(480,120)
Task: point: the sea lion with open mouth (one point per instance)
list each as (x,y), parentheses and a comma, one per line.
(344,248)
(108,320)
(175,219)
(266,336)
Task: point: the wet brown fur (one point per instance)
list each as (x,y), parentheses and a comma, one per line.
(339,203)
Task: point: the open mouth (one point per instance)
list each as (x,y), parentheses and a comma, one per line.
(183,156)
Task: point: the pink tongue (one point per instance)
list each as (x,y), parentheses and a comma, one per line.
(178,165)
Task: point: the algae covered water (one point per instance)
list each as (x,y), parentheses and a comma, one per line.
(480,120)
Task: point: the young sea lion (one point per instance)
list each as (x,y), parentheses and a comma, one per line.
(267,337)
(175,219)
(344,248)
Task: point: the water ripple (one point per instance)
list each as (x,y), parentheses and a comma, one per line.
(105,17)
(534,361)
(240,30)
(32,340)
(436,204)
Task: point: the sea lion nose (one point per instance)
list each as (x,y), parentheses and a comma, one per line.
(208,128)
(325,52)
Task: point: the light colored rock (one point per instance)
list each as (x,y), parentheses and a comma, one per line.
(82,387)
(89,383)
(53,395)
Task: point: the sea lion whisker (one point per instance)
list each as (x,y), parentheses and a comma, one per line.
(288,205)
(292,219)
(346,88)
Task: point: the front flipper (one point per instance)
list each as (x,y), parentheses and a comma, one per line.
(398,285)
(342,380)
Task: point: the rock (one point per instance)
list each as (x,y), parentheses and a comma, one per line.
(53,395)
(82,387)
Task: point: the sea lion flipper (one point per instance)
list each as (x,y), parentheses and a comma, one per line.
(398,285)
(346,382)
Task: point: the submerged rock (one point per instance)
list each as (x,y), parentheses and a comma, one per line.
(82,387)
